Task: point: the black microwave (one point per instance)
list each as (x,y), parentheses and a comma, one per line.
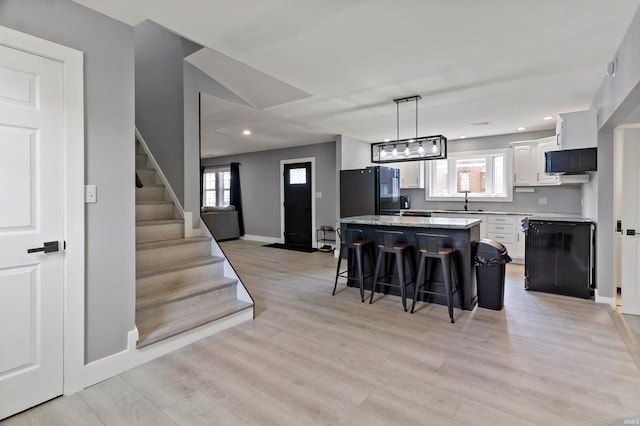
(571,161)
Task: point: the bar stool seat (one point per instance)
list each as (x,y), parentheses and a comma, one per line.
(393,243)
(353,240)
(437,247)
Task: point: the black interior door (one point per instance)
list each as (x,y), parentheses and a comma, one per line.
(297,204)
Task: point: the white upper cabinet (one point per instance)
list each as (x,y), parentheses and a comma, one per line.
(411,174)
(577,129)
(528,164)
(544,146)
(522,166)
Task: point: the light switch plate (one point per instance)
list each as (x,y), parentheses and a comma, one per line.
(90,194)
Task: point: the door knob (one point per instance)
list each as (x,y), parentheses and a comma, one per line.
(48,247)
(631,232)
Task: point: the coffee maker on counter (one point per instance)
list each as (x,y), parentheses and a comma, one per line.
(405,202)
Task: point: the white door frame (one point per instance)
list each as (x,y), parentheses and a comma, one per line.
(311,160)
(618,139)
(73,139)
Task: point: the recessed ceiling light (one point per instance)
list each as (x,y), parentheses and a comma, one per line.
(548,117)
(246,132)
(462,136)
(386,140)
(522,128)
(480,123)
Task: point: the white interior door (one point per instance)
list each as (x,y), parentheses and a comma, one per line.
(630,213)
(31,213)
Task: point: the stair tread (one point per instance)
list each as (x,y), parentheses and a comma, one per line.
(158,222)
(169,243)
(189,322)
(152,185)
(176,266)
(154,202)
(183,292)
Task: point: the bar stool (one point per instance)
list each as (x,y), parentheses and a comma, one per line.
(437,247)
(353,239)
(393,243)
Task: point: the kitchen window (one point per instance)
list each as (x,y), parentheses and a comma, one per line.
(216,187)
(483,176)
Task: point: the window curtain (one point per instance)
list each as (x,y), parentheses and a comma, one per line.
(235,195)
(201,186)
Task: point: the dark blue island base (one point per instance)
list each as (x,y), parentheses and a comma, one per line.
(463,232)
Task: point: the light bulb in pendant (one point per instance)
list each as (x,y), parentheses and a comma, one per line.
(407,151)
(395,151)
(434,147)
(420,149)
(383,153)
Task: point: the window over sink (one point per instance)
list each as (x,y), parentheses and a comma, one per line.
(482,175)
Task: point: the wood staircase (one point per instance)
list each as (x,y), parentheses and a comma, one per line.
(179,284)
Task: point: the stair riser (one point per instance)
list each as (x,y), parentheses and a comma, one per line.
(147,176)
(156,257)
(168,312)
(160,282)
(168,231)
(141,160)
(150,193)
(154,211)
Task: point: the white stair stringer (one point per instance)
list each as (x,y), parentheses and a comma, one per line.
(180,285)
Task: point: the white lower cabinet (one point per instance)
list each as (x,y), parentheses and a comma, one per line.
(506,229)
(480,217)
(519,253)
(502,229)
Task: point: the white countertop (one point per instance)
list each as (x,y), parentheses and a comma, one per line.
(412,221)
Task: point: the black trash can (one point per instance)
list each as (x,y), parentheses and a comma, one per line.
(490,259)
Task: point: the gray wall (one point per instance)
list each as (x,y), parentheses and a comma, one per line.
(159,100)
(618,97)
(561,199)
(260,184)
(109,159)
(196,82)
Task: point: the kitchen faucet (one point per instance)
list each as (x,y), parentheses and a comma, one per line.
(466,201)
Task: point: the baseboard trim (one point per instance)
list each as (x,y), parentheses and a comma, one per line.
(105,368)
(262,239)
(611,301)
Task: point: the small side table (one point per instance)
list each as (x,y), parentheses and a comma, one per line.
(326,239)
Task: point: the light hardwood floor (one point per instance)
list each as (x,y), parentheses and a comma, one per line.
(312,358)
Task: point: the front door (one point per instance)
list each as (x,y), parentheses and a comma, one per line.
(297,204)
(630,212)
(31,213)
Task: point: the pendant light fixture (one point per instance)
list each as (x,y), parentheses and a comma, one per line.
(414,148)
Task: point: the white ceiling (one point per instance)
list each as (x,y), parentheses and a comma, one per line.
(312,69)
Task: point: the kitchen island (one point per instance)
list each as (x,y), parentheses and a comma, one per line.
(463,232)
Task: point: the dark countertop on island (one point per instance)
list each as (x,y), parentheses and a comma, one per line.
(412,221)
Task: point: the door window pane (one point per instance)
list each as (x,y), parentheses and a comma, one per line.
(298,176)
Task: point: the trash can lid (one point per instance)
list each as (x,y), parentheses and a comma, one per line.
(487,246)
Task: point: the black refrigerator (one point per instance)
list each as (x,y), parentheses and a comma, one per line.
(559,256)
(370,191)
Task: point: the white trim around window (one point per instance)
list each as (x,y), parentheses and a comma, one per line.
(497,177)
